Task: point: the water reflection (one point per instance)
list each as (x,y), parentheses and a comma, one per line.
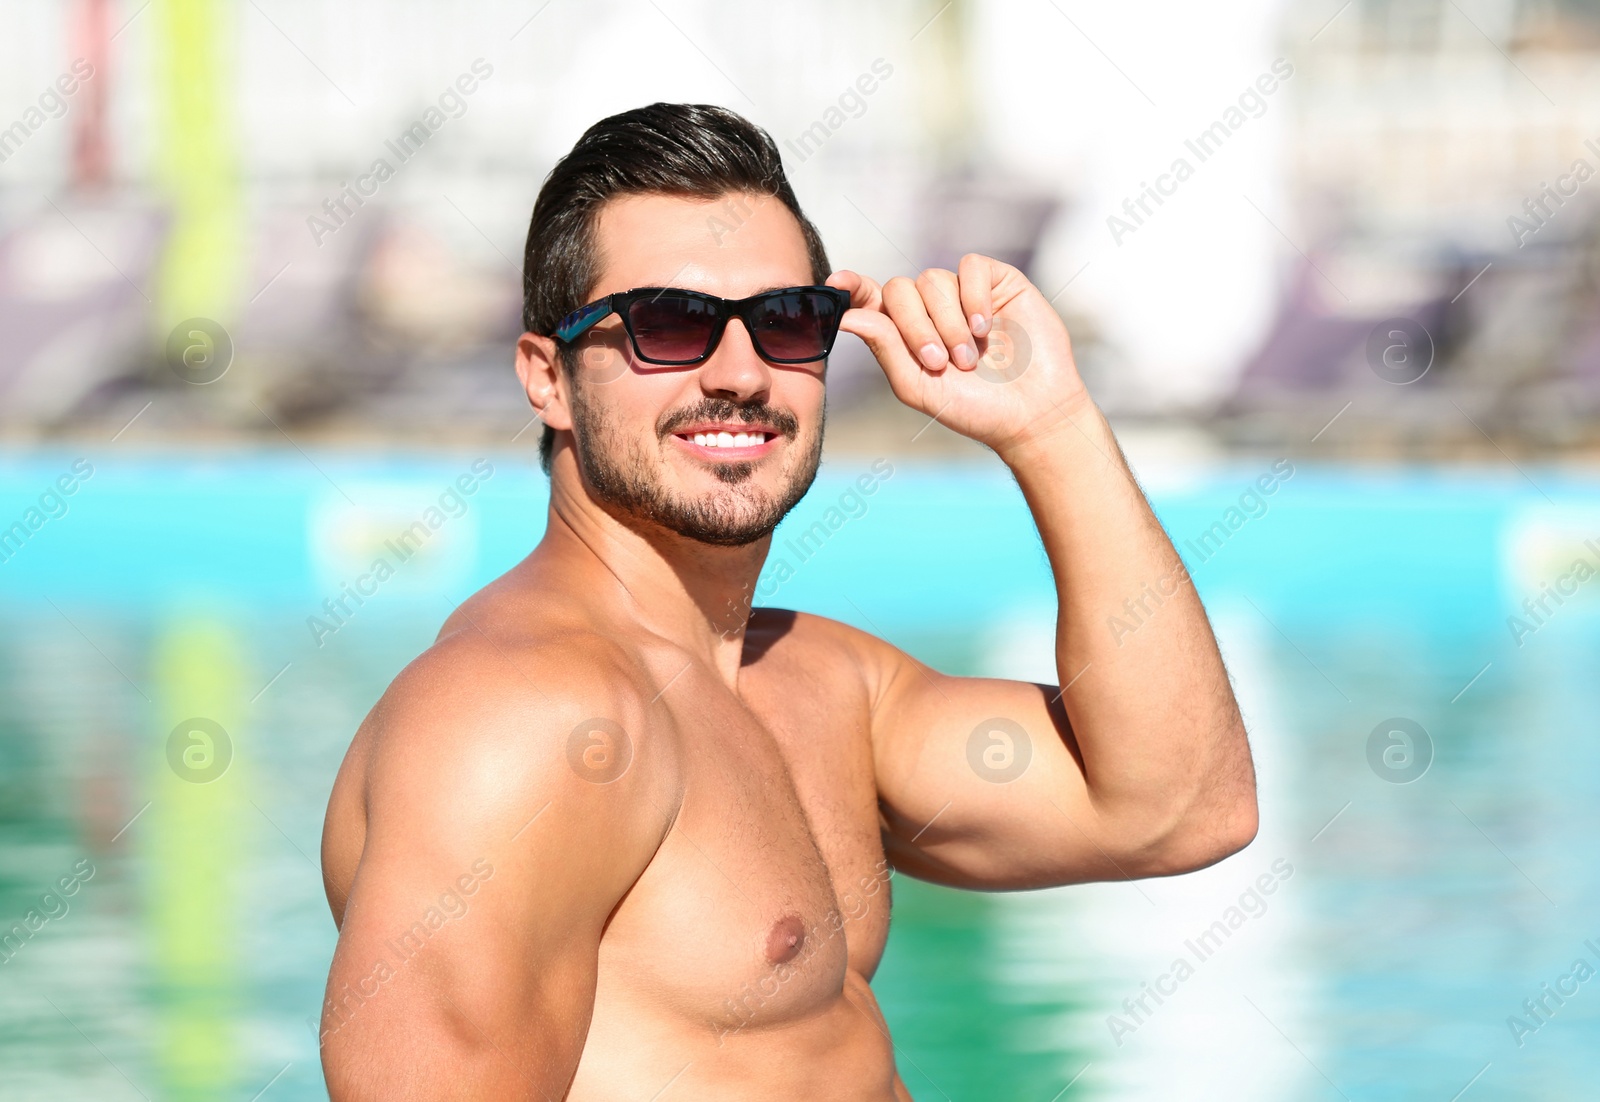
(190,840)
(163,930)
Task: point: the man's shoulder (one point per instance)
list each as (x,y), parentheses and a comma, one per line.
(809,629)
(471,673)
(822,646)
(478,712)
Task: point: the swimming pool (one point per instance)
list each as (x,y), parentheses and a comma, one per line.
(1409,917)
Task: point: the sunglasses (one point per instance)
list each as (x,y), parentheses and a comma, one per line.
(669,325)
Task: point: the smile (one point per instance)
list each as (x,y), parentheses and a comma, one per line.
(729,444)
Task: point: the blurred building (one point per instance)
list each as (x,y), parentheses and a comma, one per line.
(196,237)
(253,217)
(1444,164)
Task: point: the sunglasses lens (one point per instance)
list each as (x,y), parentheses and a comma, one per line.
(797,327)
(672,328)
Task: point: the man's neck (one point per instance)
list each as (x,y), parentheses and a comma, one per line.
(696,595)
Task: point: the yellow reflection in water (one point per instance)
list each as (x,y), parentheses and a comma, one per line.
(197,794)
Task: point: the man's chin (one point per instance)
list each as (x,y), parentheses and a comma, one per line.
(731,503)
(713,536)
(719,516)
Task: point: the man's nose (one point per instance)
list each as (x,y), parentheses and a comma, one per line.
(735,369)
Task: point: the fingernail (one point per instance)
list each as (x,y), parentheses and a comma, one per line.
(932,354)
(964,355)
(979,323)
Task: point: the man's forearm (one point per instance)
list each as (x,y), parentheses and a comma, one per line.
(1164,749)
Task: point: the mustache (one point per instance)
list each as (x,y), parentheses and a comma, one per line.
(714,409)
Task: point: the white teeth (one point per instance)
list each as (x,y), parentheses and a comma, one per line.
(730,439)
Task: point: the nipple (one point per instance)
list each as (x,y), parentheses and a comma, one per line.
(784,942)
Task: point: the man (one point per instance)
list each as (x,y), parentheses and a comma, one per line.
(616,834)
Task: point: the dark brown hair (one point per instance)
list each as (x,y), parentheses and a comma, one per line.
(689,149)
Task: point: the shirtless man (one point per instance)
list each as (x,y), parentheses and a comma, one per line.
(618,836)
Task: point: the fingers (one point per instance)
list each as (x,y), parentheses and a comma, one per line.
(902,301)
(865,294)
(978,278)
(886,342)
(942,299)
(939,316)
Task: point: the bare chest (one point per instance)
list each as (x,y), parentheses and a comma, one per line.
(772,882)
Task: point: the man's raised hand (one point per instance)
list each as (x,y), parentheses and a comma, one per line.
(980,349)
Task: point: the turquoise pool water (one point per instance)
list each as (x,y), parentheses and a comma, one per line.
(178,939)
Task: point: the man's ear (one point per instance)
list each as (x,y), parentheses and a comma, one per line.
(539,370)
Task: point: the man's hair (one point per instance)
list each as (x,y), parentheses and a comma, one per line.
(687,149)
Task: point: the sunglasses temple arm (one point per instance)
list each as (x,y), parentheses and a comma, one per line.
(578,322)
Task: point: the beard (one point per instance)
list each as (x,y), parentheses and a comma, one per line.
(624,475)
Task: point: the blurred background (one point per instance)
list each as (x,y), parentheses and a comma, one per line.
(259,284)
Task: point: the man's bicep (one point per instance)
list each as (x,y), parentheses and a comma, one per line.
(468,949)
(981,783)
(433,967)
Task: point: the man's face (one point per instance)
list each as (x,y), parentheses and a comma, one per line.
(635,423)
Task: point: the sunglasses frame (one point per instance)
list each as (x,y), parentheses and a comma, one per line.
(578,322)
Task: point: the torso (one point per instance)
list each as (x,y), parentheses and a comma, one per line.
(740,957)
